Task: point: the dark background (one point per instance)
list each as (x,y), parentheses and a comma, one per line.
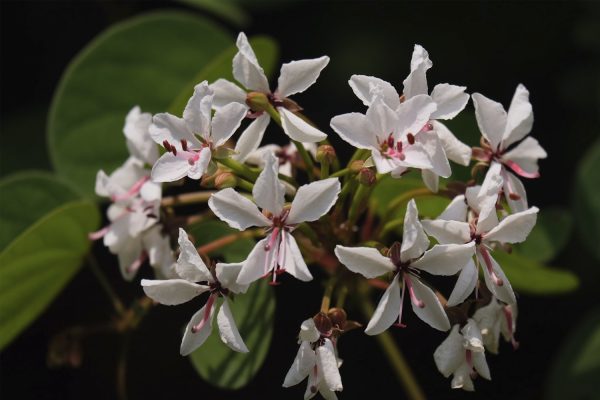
(552,48)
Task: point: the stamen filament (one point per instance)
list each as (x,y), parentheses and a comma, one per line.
(135,189)
(490,267)
(207,311)
(413,297)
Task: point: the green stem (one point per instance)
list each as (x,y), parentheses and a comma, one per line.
(186,198)
(340,173)
(324,169)
(308,162)
(326,302)
(111,294)
(309,233)
(390,226)
(341,296)
(357,203)
(394,355)
(358,155)
(245,185)
(239,169)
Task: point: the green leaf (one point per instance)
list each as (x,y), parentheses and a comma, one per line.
(266,51)
(208,231)
(576,369)
(253,313)
(587,199)
(148,61)
(226,9)
(26,197)
(549,236)
(40,262)
(531,277)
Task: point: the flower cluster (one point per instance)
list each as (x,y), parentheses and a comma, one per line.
(326,222)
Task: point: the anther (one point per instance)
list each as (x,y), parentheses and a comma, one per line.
(184,145)
(167,145)
(411,138)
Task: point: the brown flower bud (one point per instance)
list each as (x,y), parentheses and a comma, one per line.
(337,316)
(326,153)
(367,177)
(322,323)
(225,180)
(356,166)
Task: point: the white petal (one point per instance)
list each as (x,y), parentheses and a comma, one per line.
(519,119)
(472,339)
(419,57)
(491,119)
(433,146)
(385,164)
(130,254)
(327,364)
(445,259)
(526,154)
(246,69)
(151,192)
(414,239)
(139,142)
(199,167)
(416,157)
(481,366)
(228,330)
(293,263)
(383,120)
(456,150)
(302,366)
(465,284)
(505,292)
(313,200)
(363,87)
(450,353)
(251,137)
(415,83)
(268,190)
(170,168)
(355,129)
(197,112)
(455,211)
(189,264)
(297,76)
(447,232)
(367,261)
(450,100)
(488,318)
(235,209)
(433,313)
(227,275)
(512,184)
(226,92)
(254,266)
(191,341)
(171,292)
(298,129)
(462,378)
(308,331)
(387,310)
(414,113)
(515,228)
(431,180)
(226,121)
(172,129)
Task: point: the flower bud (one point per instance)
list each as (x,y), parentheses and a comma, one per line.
(367,177)
(225,180)
(322,323)
(337,316)
(257,101)
(325,153)
(222,152)
(356,166)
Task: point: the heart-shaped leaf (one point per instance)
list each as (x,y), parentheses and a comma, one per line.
(587,199)
(549,236)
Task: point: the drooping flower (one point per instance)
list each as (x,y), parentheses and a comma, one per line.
(294,77)
(195,278)
(406,261)
(462,355)
(317,360)
(502,129)
(279,251)
(190,141)
(449,99)
(494,319)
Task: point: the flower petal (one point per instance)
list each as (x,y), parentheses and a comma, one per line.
(268,191)
(481,366)
(450,100)
(456,150)
(505,292)
(297,76)
(228,331)
(258,263)
(313,200)
(355,129)
(367,261)
(446,232)
(431,180)
(197,112)
(526,154)
(298,129)
(415,83)
(455,211)
(514,228)
(367,87)
(246,69)
(433,146)
(251,137)
(512,184)
(227,275)
(491,119)
(414,239)
(450,353)
(445,259)
(382,119)
(328,365)
(191,341)
(172,292)
(433,313)
(488,318)
(519,119)
(414,113)
(139,142)
(308,331)
(170,168)
(465,284)
(303,364)
(462,378)
(189,264)
(235,209)
(291,259)
(172,129)
(199,167)
(226,92)
(387,310)
(226,121)
(472,337)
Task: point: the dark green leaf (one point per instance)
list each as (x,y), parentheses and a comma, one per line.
(40,262)
(529,276)
(587,199)
(549,236)
(577,367)
(147,61)
(226,9)
(26,197)
(208,231)
(253,313)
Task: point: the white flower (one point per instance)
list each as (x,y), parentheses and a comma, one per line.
(316,359)
(502,129)
(295,77)
(190,140)
(483,228)
(461,355)
(406,261)
(389,134)
(279,251)
(139,142)
(194,279)
(494,319)
(449,99)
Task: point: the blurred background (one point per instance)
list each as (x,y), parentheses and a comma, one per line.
(553,48)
